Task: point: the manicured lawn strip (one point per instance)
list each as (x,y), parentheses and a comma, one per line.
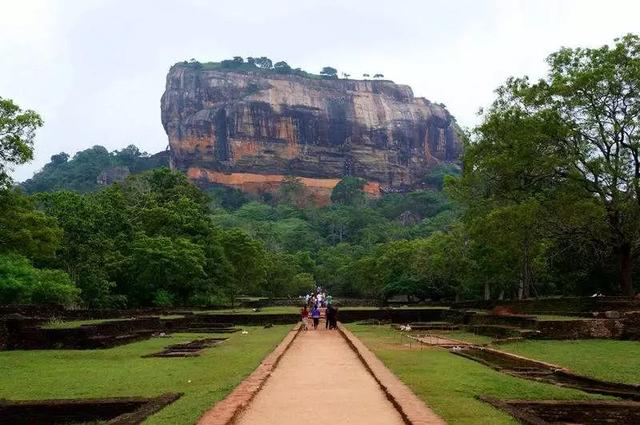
(120,371)
(617,361)
(448,383)
(555,317)
(77,323)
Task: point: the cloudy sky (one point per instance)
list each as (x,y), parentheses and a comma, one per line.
(95,69)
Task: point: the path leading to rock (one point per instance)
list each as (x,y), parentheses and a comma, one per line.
(320,380)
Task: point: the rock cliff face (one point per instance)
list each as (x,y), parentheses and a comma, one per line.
(249,130)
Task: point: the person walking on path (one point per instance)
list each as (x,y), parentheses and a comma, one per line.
(334,318)
(304,316)
(329,316)
(315,315)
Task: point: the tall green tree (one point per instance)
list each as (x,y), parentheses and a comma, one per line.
(329,72)
(294,192)
(24,229)
(349,191)
(163,269)
(586,125)
(17,131)
(90,250)
(248,259)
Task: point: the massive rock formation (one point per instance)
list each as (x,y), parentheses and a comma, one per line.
(250,129)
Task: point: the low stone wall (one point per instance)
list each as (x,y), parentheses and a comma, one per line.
(127,326)
(580,329)
(519,321)
(556,305)
(632,326)
(461,317)
(59,312)
(4,335)
(114,411)
(29,310)
(83,337)
(537,305)
(494,331)
(542,412)
(407,315)
(26,334)
(340,302)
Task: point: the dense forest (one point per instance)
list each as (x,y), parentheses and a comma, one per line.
(156,239)
(548,203)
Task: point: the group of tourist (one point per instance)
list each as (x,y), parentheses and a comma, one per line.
(315,304)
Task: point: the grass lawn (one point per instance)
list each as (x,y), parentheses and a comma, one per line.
(464,336)
(120,371)
(61,324)
(449,383)
(611,360)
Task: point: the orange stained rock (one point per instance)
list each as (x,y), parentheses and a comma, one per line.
(238,179)
(372,188)
(255,183)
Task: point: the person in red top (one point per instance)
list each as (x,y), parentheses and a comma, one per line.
(304,313)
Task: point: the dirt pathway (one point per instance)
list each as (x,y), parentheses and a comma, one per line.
(320,379)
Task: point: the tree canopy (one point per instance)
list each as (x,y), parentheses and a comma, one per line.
(17,131)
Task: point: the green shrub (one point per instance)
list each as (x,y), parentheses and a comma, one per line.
(21,283)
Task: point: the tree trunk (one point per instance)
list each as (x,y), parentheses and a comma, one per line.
(526,269)
(626,270)
(487,291)
(521,288)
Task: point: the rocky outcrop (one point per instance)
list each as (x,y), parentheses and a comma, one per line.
(113,174)
(249,129)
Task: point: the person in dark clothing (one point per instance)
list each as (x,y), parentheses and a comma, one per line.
(328,314)
(332,317)
(334,322)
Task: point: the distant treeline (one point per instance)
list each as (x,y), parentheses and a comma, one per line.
(80,173)
(267,66)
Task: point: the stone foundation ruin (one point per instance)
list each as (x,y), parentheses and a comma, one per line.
(547,412)
(110,411)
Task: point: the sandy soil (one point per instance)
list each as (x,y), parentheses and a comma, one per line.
(321,380)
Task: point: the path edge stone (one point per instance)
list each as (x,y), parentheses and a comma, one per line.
(227,410)
(412,409)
